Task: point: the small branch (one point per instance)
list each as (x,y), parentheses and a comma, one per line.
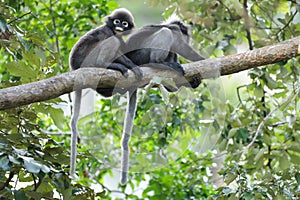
(287,24)
(10,177)
(104,78)
(55,33)
(19,17)
(247,25)
(232,16)
(34,182)
(286,102)
(238,93)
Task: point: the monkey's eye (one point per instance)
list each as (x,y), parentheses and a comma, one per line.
(116,21)
(125,24)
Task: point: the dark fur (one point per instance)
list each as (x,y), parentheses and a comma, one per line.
(140,53)
(101,47)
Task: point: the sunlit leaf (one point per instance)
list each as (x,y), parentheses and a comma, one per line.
(284,7)
(22,70)
(32,166)
(57,116)
(284,162)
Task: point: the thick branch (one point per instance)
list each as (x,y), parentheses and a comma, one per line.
(97,77)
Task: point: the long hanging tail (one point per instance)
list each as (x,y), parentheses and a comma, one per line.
(75,135)
(128,124)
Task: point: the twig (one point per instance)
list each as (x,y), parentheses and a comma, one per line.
(288,23)
(11,175)
(238,93)
(232,16)
(290,98)
(19,17)
(55,33)
(247,25)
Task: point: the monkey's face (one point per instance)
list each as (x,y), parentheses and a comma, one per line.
(121,26)
(120,21)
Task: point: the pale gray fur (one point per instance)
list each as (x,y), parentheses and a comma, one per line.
(75,134)
(127,130)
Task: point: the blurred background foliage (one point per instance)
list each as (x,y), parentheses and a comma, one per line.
(232,138)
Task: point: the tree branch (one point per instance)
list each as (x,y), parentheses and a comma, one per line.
(96,77)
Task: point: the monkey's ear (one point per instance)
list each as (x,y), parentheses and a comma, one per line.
(106,19)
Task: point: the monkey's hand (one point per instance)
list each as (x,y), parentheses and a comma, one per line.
(195,82)
(138,73)
(175,66)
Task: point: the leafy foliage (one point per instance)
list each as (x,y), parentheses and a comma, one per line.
(178,138)
(268,167)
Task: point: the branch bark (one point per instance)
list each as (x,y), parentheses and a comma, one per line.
(96,77)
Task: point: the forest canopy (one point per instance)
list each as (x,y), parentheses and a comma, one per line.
(231,138)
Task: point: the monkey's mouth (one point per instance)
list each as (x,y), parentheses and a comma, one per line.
(119,30)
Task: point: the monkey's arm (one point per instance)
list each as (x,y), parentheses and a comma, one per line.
(124,60)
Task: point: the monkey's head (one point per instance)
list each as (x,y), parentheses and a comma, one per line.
(120,21)
(185,29)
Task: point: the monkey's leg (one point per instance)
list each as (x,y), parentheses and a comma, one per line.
(74,130)
(127,129)
(160,44)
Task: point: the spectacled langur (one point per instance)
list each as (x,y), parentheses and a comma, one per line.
(156,45)
(101,47)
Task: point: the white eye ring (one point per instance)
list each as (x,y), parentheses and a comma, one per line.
(125,24)
(116,21)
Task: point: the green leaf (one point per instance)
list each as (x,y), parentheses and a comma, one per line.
(22,70)
(31,165)
(57,116)
(295,159)
(232,132)
(4,163)
(258,92)
(259,155)
(284,162)
(284,7)
(112,5)
(20,195)
(45,169)
(14,160)
(226,190)
(243,134)
(3,25)
(169,11)
(164,93)
(297,177)
(271,83)
(229,178)
(32,58)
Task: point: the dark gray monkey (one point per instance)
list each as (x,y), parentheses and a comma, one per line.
(101,47)
(156,46)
